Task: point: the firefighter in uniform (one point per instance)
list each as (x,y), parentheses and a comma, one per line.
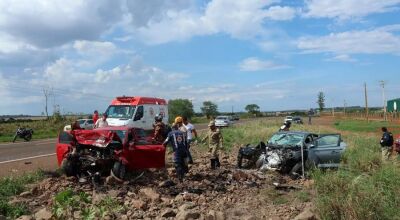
(215,141)
(177,140)
(159,129)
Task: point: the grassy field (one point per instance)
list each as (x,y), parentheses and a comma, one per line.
(41,129)
(364,126)
(363,188)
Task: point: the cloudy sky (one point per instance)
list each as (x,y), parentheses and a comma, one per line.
(277,54)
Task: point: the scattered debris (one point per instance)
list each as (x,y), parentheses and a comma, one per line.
(226,193)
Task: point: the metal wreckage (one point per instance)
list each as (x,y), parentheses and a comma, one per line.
(293,153)
(107,151)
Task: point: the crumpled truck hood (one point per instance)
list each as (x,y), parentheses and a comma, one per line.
(100,138)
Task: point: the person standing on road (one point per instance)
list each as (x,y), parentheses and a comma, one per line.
(177,139)
(191,131)
(386,143)
(95,116)
(101,122)
(215,141)
(159,129)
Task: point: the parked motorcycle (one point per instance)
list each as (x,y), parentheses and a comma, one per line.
(25,133)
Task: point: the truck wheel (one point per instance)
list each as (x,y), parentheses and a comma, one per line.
(119,170)
(68,167)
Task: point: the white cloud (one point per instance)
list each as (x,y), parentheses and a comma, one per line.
(342,58)
(255,64)
(96,48)
(239,19)
(376,41)
(346,9)
(280,13)
(45,23)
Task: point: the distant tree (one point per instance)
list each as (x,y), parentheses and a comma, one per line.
(253,109)
(321,101)
(209,109)
(180,107)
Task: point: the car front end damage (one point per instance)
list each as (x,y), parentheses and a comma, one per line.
(285,159)
(93,154)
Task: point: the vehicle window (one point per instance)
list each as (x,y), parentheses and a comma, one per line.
(286,139)
(120,111)
(121,134)
(65,138)
(221,118)
(139,113)
(328,140)
(81,122)
(308,140)
(90,121)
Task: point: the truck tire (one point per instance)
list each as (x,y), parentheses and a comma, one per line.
(119,170)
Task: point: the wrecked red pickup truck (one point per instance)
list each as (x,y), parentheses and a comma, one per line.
(109,150)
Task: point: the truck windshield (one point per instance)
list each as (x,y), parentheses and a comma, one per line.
(286,139)
(120,111)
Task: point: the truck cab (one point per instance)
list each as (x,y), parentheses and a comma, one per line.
(138,112)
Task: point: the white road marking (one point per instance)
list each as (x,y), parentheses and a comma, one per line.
(32,142)
(27,158)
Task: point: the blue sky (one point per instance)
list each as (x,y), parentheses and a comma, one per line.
(277,54)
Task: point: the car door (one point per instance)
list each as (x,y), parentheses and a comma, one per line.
(143,154)
(326,150)
(62,146)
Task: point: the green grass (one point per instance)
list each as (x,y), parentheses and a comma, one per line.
(68,201)
(41,129)
(11,186)
(364,126)
(363,188)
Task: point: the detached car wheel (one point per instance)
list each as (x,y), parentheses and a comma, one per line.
(69,167)
(119,170)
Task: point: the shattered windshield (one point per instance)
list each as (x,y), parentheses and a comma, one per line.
(286,139)
(120,111)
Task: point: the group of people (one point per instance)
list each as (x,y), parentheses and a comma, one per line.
(180,137)
(99,123)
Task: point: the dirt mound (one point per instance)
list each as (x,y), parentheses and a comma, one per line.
(226,193)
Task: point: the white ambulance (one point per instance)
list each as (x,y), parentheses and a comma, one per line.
(136,112)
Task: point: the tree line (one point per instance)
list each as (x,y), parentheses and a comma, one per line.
(184,107)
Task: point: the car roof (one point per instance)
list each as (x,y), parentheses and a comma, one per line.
(296,132)
(115,128)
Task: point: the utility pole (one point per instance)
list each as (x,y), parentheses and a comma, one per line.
(344,108)
(366,102)
(384,99)
(46,94)
(232,109)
